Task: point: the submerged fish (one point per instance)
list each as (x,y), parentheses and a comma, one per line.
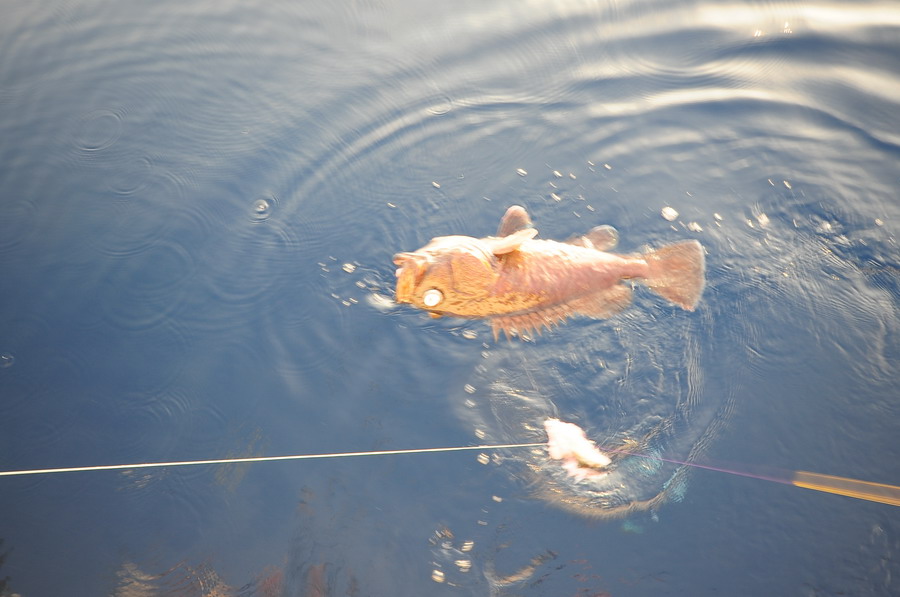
(523,284)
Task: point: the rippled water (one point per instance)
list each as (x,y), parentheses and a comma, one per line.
(200,205)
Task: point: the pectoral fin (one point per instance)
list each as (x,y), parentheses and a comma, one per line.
(510,243)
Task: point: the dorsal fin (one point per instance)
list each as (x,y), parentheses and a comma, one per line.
(601,238)
(514,220)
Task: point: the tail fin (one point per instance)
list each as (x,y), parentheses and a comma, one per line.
(677,273)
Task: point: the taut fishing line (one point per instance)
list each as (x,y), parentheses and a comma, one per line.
(864,490)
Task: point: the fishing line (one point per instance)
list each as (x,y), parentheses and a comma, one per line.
(881,493)
(118,467)
(864,490)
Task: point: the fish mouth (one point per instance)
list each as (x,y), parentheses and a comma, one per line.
(409,272)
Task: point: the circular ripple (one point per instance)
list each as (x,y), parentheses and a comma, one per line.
(126,229)
(144,426)
(144,288)
(47,414)
(261,209)
(139,360)
(98,130)
(439,105)
(130,176)
(25,347)
(252,263)
(17,220)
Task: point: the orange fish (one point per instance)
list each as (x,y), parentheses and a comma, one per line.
(522,284)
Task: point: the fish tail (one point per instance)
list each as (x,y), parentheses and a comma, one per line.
(677,273)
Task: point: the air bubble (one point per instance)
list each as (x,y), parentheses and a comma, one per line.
(262,209)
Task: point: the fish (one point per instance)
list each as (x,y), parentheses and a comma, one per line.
(522,284)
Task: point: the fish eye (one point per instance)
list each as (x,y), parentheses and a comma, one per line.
(432,297)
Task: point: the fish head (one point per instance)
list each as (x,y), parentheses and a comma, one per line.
(447,276)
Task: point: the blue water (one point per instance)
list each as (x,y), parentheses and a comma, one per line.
(199,207)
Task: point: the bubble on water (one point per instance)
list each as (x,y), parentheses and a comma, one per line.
(262,208)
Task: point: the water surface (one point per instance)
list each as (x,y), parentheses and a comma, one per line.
(200,205)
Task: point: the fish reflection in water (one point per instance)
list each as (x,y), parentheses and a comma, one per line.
(522,284)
